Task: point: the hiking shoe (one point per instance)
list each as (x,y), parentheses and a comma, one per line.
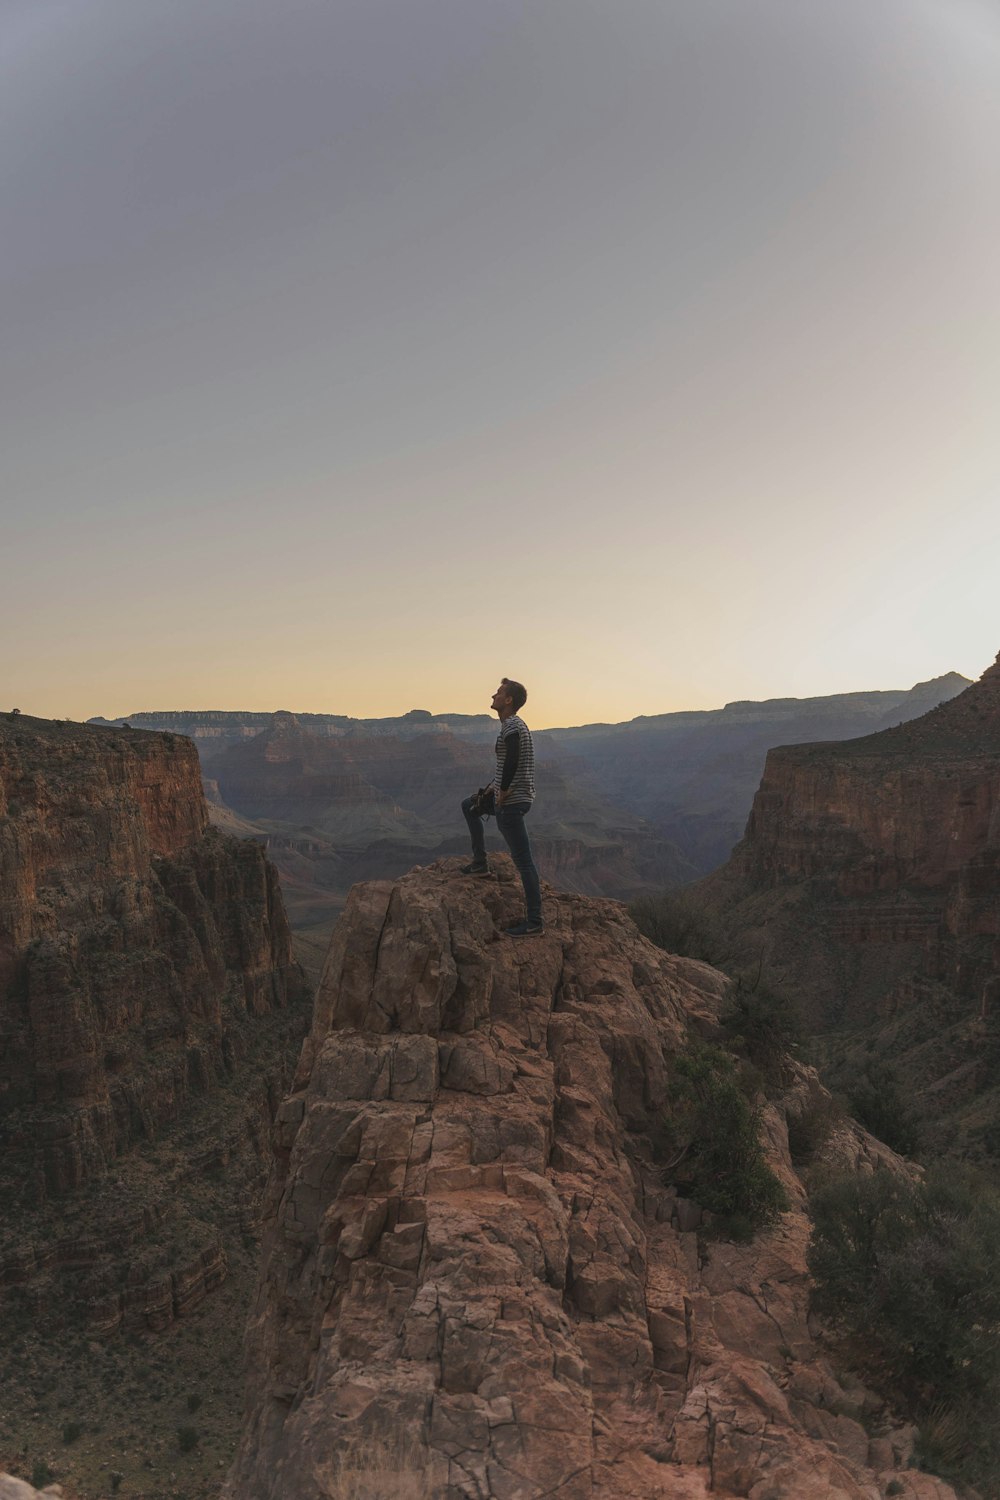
(475,869)
(525,929)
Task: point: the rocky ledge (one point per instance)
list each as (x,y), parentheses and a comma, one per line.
(477,1282)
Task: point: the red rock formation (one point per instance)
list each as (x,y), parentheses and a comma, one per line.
(474,1270)
(144,958)
(888,849)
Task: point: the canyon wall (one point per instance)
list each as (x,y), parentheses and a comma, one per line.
(889,842)
(148,1006)
(478,1277)
(868,883)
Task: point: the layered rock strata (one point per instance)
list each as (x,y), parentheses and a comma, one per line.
(147,998)
(478,1282)
(868,885)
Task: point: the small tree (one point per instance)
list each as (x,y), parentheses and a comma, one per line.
(877,1100)
(678,922)
(763,1025)
(716,1131)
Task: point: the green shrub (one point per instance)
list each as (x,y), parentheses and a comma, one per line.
(116,1481)
(41,1474)
(876,1099)
(912,1271)
(677,921)
(193,1401)
(72,1431)
(187,1438)
(759,1021)
(715,1130)
(762,1025)
(942,1441)
(809,1131)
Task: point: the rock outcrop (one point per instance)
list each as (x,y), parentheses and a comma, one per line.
(478,1282)
(147,999)
(19,1489)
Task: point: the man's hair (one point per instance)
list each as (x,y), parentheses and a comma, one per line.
(518,694)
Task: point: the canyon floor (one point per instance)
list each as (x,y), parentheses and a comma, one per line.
(131,1398)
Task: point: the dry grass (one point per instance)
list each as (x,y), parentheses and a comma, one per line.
(379,1469)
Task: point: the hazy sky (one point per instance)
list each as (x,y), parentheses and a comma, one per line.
(358,352)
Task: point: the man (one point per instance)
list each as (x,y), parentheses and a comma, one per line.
(513,792)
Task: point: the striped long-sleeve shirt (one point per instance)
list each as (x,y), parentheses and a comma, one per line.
(515,773)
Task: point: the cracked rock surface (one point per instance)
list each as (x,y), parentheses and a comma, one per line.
(474,1273)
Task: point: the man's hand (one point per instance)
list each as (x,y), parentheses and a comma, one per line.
(498,799)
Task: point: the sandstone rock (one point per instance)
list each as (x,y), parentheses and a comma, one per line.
(19,1489)
(144,959)
(484,1264)
(869,879)
(890,842)
(15,1489)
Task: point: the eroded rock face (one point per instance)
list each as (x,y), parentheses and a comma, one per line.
(910,808)
(472,1262)
(144,960)
(869,878)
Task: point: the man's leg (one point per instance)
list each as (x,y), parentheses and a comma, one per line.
(477,834)
(510,821)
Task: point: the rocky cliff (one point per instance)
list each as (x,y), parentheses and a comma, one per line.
(870,876)
(148,1010)
(478,1277)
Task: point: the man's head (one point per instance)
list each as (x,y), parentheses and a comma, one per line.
(509,698)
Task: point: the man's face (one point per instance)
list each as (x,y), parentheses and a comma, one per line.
(502,700)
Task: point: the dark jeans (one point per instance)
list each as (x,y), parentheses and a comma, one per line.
(510,821)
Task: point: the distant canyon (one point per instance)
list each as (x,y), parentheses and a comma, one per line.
(622,808)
